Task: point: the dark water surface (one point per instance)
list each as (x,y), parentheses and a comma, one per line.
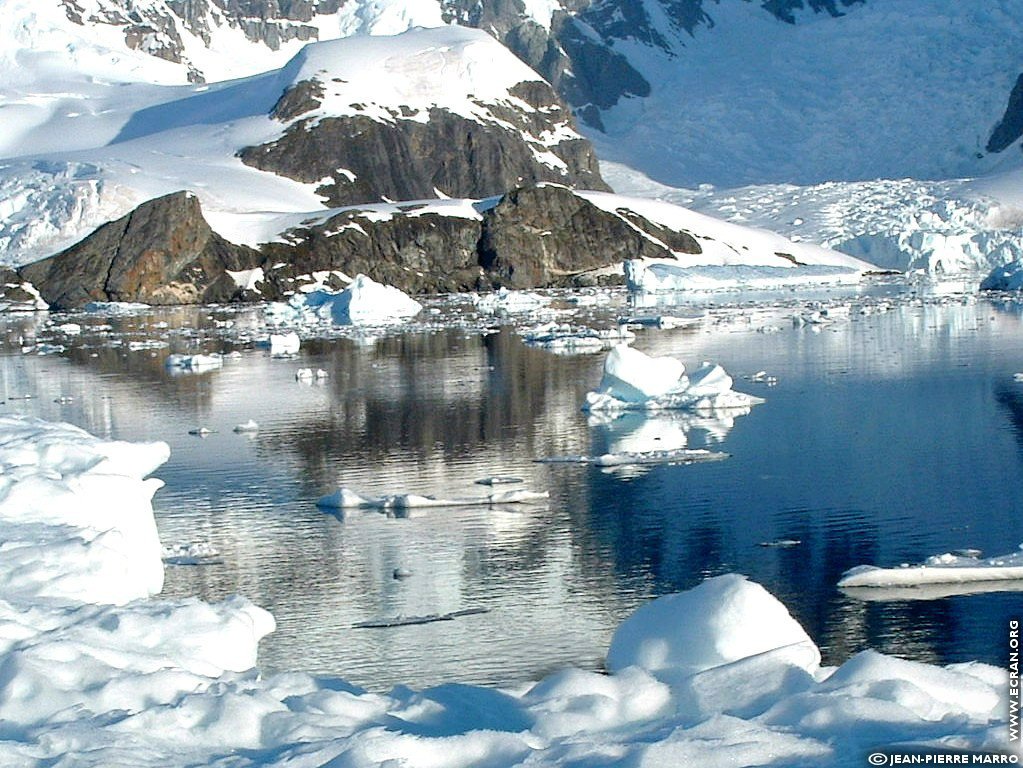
(888,437)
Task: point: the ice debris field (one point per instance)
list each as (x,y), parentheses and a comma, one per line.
(98,671)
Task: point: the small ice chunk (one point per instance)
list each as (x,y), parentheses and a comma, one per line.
(304,374)
(499,480)
(193,363)
(284,343)
(247,426)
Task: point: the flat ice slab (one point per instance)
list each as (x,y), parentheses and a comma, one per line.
(345,498)
(948,568)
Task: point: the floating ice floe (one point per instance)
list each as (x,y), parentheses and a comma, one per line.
(626,458)
(948,568)
(633,380)
(644,277)
(564,339)
(345,498)
(193,363)
(664,322)
(98,673)
(115,307)
(282,344)
(247,427)
(363,302)
(197,553)
(1006,278)
(509,302)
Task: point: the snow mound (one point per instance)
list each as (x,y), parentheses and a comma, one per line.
(723,620)
(363,302)
(633,380)
(948,568)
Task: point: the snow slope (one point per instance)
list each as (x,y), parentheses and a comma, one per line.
(888,90)
(98,675)
(80,151)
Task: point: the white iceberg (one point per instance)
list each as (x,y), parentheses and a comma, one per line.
(346,498)
(283,344)
(657,277)
(363,302)
(633,380)
(193,363)
(947,568)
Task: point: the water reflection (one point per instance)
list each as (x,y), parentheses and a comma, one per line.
(889,436)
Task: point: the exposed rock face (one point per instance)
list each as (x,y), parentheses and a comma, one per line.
(163,252)
(549,235)
(1010,127)
(368,160)
(418,253)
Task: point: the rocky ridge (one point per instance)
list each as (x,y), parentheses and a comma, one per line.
(164,252)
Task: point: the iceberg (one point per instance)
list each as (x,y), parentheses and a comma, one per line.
(193,363)
(633,380)
(656,277)
(284,344)
(363,302)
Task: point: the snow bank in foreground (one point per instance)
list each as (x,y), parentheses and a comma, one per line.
(949,568)
(98,675)
(645,277)
(633,380)
(363,302)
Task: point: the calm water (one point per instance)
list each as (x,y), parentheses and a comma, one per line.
(888,437)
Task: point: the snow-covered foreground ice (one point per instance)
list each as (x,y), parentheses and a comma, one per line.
(98,673)
(633,380)
(947,568)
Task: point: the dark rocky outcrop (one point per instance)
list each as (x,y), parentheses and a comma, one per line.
(548,235)
(424,253)
(407,159)
(1010,127)
(164,252)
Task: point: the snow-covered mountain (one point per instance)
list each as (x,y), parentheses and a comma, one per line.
(428,113)
(867,126)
